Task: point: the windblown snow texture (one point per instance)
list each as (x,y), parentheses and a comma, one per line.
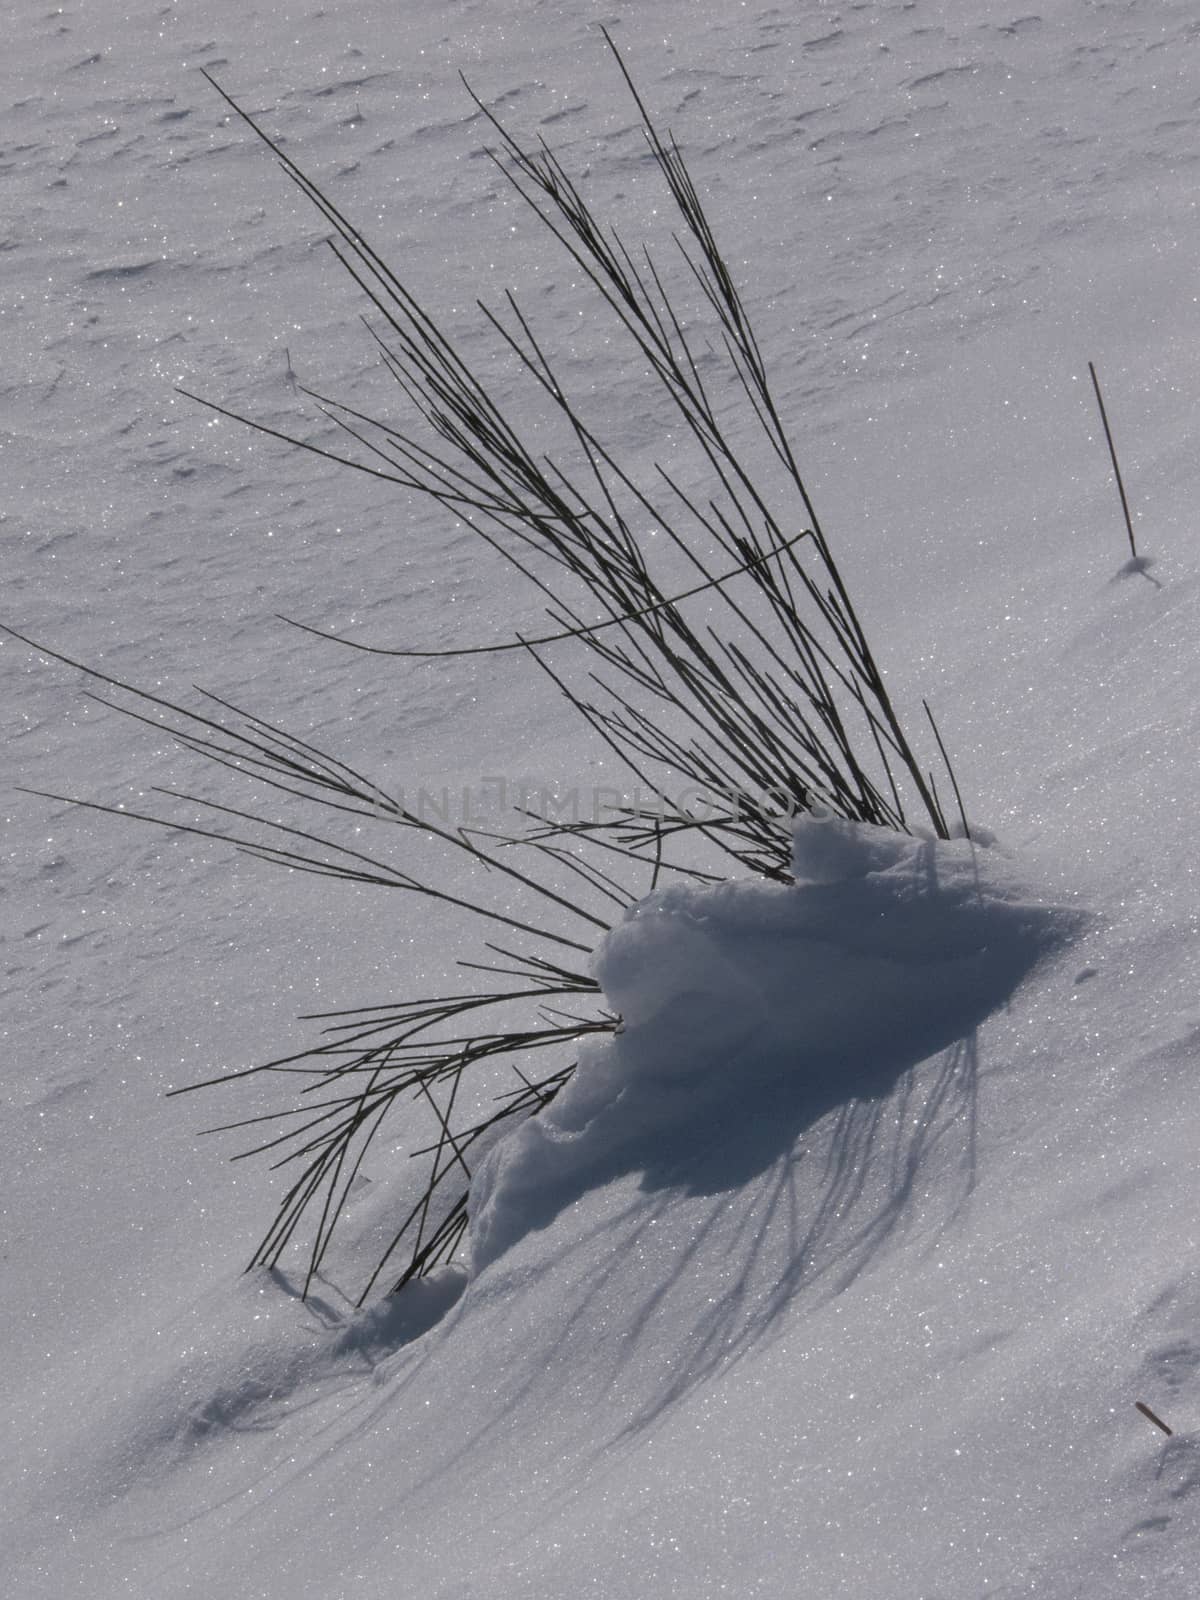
(841,1270)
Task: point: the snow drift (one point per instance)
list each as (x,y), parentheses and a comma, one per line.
(751,1010)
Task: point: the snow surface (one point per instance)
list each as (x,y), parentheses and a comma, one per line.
(840,1270)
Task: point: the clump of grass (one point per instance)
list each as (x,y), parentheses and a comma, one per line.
(778,704)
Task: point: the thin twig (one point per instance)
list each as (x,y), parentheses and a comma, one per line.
(1116,466)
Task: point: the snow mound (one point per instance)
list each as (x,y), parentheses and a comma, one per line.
(751,1009)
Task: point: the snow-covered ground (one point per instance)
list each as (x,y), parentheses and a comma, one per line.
(841,1270)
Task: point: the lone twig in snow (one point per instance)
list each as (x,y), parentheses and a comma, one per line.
(1157,1421)
(1112,450)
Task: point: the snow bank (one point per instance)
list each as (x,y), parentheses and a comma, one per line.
(751,1009)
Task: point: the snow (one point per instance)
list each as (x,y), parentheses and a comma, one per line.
(754,1010)
(841,1268)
